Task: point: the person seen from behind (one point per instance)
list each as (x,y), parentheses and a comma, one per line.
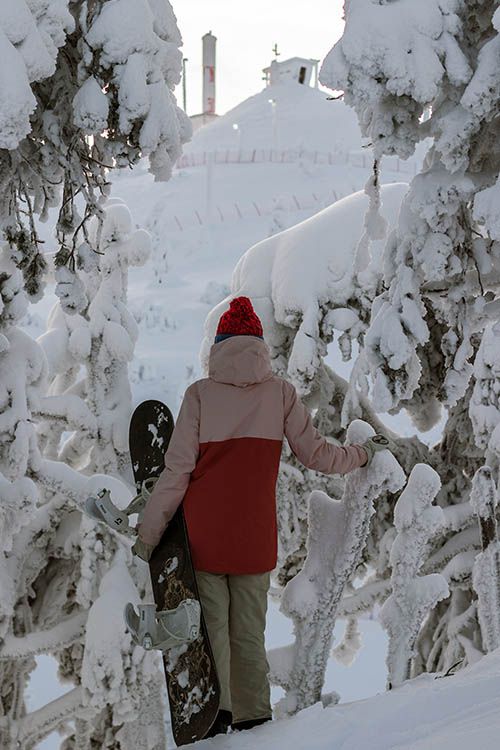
(222,463)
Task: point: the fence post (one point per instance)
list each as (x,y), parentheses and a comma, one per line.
(209,185)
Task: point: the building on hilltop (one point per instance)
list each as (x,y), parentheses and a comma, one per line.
(300,69)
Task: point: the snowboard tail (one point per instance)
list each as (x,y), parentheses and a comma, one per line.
(191,677)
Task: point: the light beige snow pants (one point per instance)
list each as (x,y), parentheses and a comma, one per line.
(235,612)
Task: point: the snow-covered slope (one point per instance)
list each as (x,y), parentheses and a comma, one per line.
(304,118)
(459,712)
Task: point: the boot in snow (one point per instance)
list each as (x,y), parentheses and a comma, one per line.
(221,724)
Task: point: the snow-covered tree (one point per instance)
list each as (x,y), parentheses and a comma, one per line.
(89,86)
(413,596)
(88,352)
(86,86)
(53,560)
(415,71)
(486,571)
(337,533)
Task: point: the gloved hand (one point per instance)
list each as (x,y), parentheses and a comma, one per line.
(375,444)
(142,550)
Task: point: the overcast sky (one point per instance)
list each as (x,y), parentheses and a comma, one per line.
(246,32)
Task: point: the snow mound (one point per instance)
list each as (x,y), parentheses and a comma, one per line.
(284,285)
(305,118)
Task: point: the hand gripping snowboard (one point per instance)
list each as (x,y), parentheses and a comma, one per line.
(192,684)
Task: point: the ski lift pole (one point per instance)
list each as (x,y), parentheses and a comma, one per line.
(184,84)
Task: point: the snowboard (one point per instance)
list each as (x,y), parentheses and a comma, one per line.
(192,683)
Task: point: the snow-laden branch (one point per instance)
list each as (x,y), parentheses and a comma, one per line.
(62,635)
(413,596)
(70,409)
(337,536)
(364,598)
(33,727)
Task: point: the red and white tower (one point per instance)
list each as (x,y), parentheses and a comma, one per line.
(209,45)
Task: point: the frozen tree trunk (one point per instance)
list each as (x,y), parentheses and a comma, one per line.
(413,596)
(486,571)
(337,536)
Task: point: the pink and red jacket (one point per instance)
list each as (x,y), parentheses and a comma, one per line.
(224,455)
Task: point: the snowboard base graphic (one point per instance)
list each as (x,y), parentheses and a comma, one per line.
(192,683)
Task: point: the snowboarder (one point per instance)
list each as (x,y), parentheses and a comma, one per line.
(223,462)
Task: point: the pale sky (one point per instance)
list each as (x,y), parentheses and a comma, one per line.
(246,32)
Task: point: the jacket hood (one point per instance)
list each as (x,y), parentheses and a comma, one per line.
(240,360)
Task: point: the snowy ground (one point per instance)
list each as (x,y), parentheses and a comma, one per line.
(365,678)
(454,713)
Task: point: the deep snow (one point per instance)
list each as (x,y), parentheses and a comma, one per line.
(459,712)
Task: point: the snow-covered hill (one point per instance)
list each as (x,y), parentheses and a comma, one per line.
(304,118)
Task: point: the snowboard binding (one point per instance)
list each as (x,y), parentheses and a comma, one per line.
(100,507)
(163,630)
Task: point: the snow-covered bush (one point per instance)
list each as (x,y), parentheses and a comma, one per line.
(337,534)
(413,596)
(52,559)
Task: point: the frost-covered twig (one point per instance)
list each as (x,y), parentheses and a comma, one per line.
(413,596)
(337,535)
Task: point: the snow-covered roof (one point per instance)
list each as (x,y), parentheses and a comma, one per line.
(292,61)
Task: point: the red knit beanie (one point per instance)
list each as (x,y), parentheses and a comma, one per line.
(240,319)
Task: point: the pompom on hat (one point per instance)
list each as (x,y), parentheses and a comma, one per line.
(240,320)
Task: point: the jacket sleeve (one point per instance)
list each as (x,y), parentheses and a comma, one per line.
(180,461)
(310,447)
